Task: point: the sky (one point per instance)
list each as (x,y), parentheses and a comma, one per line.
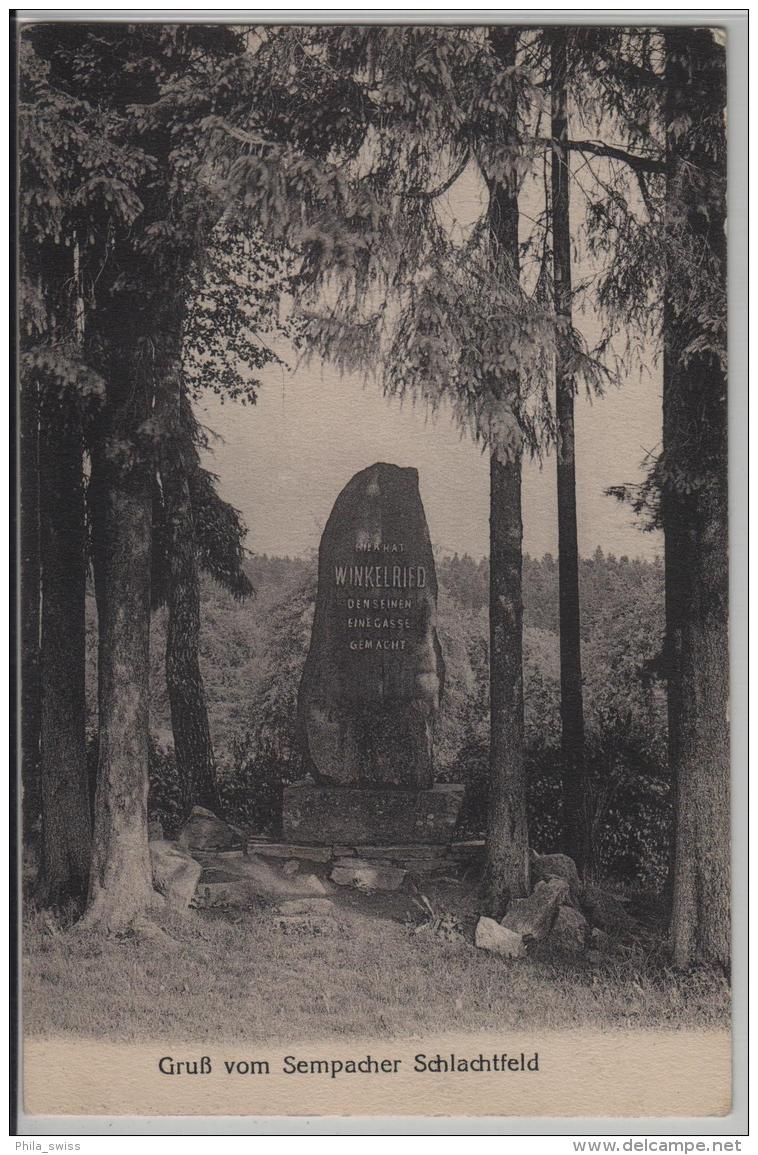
(283,461)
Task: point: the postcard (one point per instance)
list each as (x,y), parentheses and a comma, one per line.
(373,478)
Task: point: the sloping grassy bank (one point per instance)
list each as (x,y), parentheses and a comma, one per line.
(250,975)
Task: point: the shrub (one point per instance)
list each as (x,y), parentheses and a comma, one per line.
(253,660)
(251,786)
(632,812)
(164,800)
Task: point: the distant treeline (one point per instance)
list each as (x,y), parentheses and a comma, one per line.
(236,635)
(237,640)
(252,655)
(606,582)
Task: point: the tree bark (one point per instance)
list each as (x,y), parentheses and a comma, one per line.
(506,871)
(576,817)
(66,831)
(121,880)
(694,506)
(28,455)
(675,582)
(189,713)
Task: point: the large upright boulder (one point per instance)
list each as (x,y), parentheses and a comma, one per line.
(533,916)
(203,831)
(175,873)
(544,867)
(490,935)
(372,682)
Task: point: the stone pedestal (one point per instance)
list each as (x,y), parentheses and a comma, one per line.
(321,815)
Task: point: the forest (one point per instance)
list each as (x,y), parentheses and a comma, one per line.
(189,193)
(252,653)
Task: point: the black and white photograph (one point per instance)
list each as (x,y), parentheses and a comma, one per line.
(373,539)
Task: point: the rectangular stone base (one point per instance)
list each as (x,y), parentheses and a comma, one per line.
(320,815)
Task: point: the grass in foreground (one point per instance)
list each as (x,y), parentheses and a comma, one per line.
(244,975)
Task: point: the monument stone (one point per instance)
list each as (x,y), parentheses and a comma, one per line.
(374,676)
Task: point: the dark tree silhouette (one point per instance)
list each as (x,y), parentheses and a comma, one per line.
(28,452)
(678,80)
(184,680)
(54,407)
(506,859)
(692,475)
(66,833)
(121,879)
(197,529)
(576,820)
(142,243)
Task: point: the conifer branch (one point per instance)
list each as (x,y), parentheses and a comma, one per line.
(432,194)
(636,162)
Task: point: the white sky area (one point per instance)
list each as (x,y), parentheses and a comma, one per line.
(283,462)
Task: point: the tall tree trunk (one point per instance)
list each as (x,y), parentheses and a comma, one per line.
(121,879)
(694,504)
(28,452)
(506,861)
(506,871)
(576,817)
(96,504)
(189,712)
(66,832)
(675,582)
